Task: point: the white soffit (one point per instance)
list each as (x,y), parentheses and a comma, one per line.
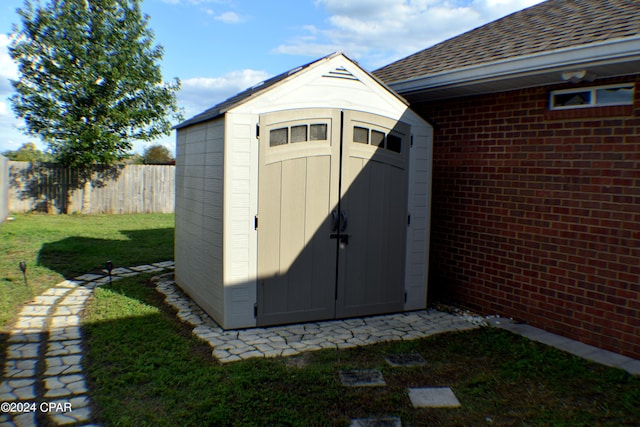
(607,59)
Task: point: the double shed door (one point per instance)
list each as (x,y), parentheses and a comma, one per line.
(332,212)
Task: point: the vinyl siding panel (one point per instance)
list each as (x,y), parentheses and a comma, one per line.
(199,219)
(420,210)
(240,236)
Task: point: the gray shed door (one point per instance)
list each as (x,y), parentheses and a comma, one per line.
(332,212)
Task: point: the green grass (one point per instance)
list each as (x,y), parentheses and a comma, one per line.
(146,368)
(137,349)
(61,246)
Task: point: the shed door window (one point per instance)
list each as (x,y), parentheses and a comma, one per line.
(394,143)
(298,133)
(278,137)
(318,132)
(377,139)
(360,135)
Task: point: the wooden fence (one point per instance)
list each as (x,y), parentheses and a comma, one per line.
(50,188)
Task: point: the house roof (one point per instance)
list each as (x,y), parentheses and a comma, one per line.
(551,26)
(219,109)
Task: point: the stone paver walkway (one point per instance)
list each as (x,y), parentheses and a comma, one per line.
(288,340)
(43,381)
(229,346)
(43,364)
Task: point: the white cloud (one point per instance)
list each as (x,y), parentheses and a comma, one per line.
(8,68)
(377,32)
(4,109)
(229,18)
(200,93)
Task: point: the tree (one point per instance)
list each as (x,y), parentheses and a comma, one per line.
(90,81)
(157,155)
(27,153)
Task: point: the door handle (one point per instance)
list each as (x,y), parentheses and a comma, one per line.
(338,227)
(343,221)
(334,220)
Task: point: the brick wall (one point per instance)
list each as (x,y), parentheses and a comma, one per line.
(536,213)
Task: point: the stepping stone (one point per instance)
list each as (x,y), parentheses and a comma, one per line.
(376,422)
(405,360)
(88,277)
(146,268)
(434,397)
(362,378)
(117,271)
(165,264)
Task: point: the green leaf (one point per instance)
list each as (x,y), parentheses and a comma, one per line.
(89,79)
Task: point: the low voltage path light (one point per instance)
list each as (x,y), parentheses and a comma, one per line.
(23,268)
(109,268)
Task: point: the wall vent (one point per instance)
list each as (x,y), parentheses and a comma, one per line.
(340,73)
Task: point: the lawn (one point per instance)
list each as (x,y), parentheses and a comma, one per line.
(138,349)
(144,367)
(56,247)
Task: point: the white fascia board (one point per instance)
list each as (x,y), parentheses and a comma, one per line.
(566,59)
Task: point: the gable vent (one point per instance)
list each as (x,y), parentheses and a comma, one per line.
(340,73)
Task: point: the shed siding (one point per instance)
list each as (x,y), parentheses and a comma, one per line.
(217,196)
(316,90)
(240,209)
(199,201)
(536,212)
(420,211)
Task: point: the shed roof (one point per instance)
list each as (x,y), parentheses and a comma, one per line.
(219,109)
(548,26)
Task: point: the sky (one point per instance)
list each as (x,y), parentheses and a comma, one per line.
(218,48)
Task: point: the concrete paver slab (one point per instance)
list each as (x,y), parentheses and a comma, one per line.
(632,366)
(433,397)
(609,358)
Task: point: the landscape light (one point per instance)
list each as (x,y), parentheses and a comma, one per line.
(23,268)
(109,268)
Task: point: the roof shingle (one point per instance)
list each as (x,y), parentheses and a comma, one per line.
(554,24)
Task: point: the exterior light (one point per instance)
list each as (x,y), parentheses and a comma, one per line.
(109,269)
(578,76)
(23,268)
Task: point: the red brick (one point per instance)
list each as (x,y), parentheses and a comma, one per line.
(535,212)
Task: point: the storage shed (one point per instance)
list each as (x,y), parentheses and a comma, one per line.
(304,198)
